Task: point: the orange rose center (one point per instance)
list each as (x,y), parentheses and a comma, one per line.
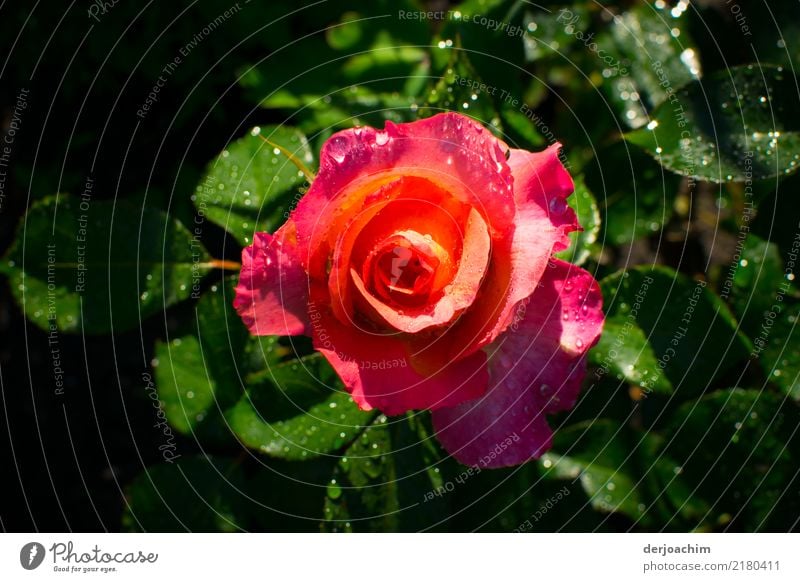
(403,269)
(407,255)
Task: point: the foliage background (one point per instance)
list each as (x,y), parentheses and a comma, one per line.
(700,434)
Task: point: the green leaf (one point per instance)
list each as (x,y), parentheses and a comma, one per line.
(645,55)
(199,375)
(97,266)
(765,299)
(289,496)
(734,125)
(196,494)
(772,32)
(348,32)
(777,344)
(223,338)
(364,484)
(461,89)
(777,216)
(521,130)
(596,454)
(623,350)
(386,480)
(636,195)
(368,67)
(252,186)
(740,450)
(356,107)
(669,495)
(690,330)
(297,411)
(185,385)
(583,242)
(548,33)
(517,499)
(495,52)
(757,280)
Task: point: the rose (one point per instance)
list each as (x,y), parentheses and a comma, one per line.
(431,243)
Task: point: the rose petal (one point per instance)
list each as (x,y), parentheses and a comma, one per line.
(541,225)
(272,293)
(452,151)
(536,367)
(541,188)
(375,369)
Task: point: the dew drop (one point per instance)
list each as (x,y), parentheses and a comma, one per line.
(338,148)
(558,205)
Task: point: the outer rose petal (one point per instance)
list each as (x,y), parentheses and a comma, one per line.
(535,368)
(272,293)
(541,188)
(375,370)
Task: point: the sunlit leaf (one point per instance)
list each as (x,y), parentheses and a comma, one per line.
(252,186)
(645,55)
(734,125)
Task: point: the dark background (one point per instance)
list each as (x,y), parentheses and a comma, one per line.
(66,459)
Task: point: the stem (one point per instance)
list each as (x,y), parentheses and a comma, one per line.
(298,163)
(222,264)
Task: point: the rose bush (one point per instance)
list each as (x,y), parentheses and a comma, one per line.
(421,263)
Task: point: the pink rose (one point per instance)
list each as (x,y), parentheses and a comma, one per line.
(421,263)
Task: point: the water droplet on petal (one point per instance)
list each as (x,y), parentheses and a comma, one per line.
(558,205)
(338,148)
(382,138)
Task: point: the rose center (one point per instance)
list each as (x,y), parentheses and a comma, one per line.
(403,268)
